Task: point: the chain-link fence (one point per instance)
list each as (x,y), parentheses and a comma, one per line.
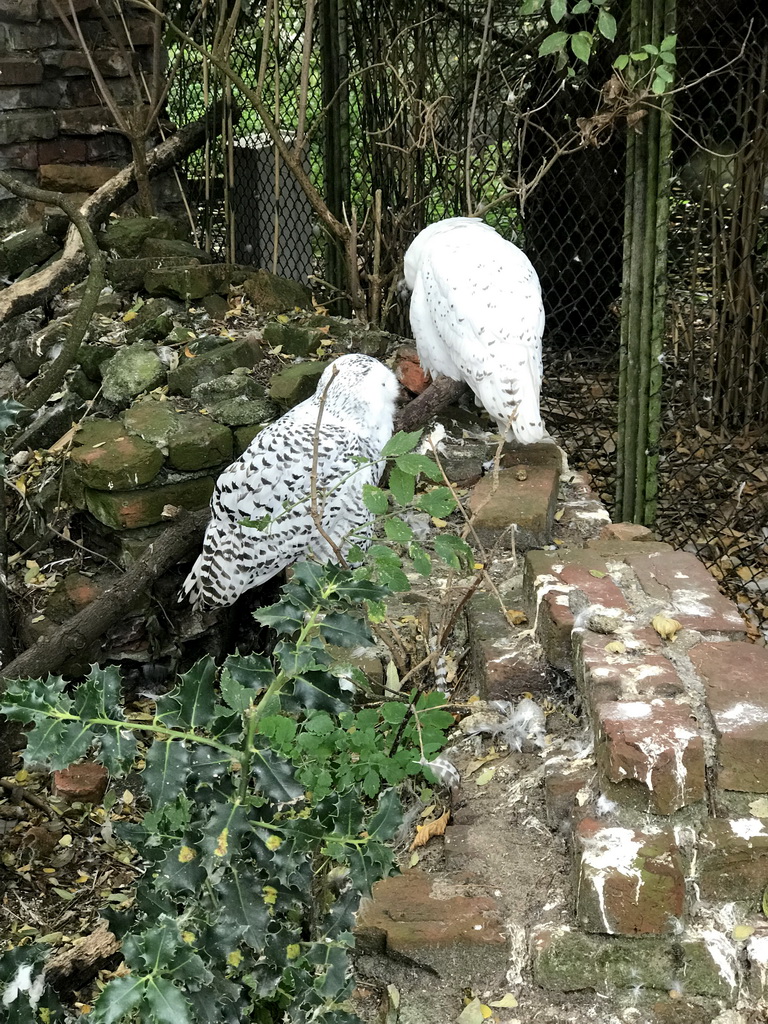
(646,217)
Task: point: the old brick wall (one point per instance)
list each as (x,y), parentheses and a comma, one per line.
(54,129)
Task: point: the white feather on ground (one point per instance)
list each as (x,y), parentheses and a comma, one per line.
(273,478)
(477,316)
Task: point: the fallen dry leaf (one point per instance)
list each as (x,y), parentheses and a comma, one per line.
(432,828)
(666,628)
(517,617)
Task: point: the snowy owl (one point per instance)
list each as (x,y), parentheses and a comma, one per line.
(355,405)
(477,316)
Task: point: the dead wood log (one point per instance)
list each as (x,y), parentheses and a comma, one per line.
(77,965)
(421,410)
(34,290)
(78,633)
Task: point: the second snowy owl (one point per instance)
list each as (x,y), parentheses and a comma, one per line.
(335,436)
(477,316)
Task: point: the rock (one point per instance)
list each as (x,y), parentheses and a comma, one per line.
(51,422)
(84,783)
(163,247)
(215,306)
(292,385)
(244,436)
(75,177)
(226,388)
(106,457)
(199,442)
(10,379)
(16,331)
(92,358)
(31,352)
(127,236)
(72,594)
(154,421)
(109,302)
(188,282)
(132,371)
(527,502)
(83,386)
(240,412)
(127,275)
(409,372)
(153,321)
(27,248)
(207,366)
(272,294)
(127,510)
(293,339)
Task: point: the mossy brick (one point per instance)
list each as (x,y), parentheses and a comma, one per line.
(293,339)
(153,321)
(106,457)
(521,506)
(732,861)
(224,388)
(154,246)
(127,275)
(126,236)
(735,676)
(132,371)
(154,421)
(501,666)
(653,753)
(199,442)
(240,412)
(433,919)
(207,366)
(188,283)
(292,385)
(272,294)
(72,594)
(686,590)
(27,248)
(243,437)
(128,510)
(23,125)
(630,882)
(568,960)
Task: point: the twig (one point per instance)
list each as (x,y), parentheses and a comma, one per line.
(31,798)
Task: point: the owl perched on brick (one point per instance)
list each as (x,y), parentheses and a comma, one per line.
(477,316)
(355,405)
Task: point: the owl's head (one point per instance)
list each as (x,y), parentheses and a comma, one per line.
(360,387)
(425,239)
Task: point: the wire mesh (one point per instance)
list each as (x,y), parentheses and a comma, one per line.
(445,108)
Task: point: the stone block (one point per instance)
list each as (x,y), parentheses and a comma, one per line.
(527,501)
(293,339)
(187,283)
(128,275)
(20,71)
(132,371)
(687,591)
(430,917)
(107,458)
(757,961)
(736,680)
(654,751)
(19,10)
(243,437)
(174,246)
(24,125)
(292,385)
(567,792)
(27,248)
(207,366)
(567,960)
(84,120)
(127,510)
(74,177)
(627,531)
(626,668)
(26,36)
(732,860)
(272,294)
(630,882)
(62,151)
(199,442)
(84,783)
(127,236)
(501,666)
(72,594)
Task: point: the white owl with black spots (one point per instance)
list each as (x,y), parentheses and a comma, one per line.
(477,316)
(355,406)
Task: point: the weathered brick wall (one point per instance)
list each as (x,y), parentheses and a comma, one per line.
(54,129)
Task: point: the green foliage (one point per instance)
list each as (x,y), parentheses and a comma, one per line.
(581,42)
(660,61)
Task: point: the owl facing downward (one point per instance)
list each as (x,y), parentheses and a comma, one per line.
(355,406)
(477,316)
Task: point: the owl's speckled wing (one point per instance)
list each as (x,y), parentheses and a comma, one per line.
(477,315)
(273,478)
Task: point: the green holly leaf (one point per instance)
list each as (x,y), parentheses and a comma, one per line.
(400,443)
(166,771)
(9,413)
(276,779)
(388,817)
(243,678)
(345,630)
(190,705)
(166,1003)
(317,691)
(244,914)
(282,617)
(118,1000)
